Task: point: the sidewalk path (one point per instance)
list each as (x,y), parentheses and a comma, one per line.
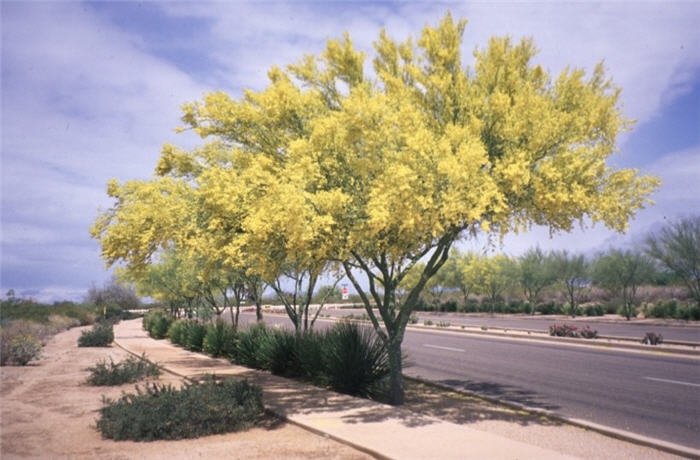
(378,429)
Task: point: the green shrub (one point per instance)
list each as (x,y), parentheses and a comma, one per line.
(550,308)
(427,322)
(161,324)
(413,319)
(279,353)
(248,352)
(195,336)
(20,350)
(355,360)
(177,333)
(443,324)
(594,310)
(309,348)
(219,340)
(101,335)
(41,313)
(130,370)
(164,412)
(689,313)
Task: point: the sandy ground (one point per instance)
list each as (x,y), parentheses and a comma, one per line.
(48,411)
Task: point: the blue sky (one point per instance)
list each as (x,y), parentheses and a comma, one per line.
(91,91)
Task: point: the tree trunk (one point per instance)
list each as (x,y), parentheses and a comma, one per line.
(396,391)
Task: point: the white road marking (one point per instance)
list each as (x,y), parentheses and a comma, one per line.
(677,382)
(443,348)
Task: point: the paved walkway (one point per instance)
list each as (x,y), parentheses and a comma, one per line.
(378,429)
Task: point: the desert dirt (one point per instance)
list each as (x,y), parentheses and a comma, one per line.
(48,411)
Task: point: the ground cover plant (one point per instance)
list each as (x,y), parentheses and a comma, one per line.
(101,335)
(130,370)
(652,338)
(197,409)
(563,330)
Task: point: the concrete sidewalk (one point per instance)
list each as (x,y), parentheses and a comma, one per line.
(378,429)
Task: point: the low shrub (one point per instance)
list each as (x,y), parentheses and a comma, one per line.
(428,322)
(448,306)
(564,330)
(248,352)
(194,335)
(549,308)
(278,353)
(652,338)
(130,370)
(177,333)
(20,350)
(101,335)
(219,340)
(41,313)
(157,323)
(164,412)
(443,324)
(588,333)
(355,360)
(413,319)
(594,310)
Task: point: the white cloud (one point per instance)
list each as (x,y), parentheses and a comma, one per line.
(83,101)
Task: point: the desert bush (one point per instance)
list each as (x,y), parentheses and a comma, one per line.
(413,319)
(428,322)
(355,360)
(164,412)
(594,310)
(41,313)
(220,340)
(652,338)
(20,350)
(248,352)
(130,370)
(564,330)
(194,336)
(443,324)
(157,323)
(550,308)
(177,332)
(278,353)
(101,335)
(588,333)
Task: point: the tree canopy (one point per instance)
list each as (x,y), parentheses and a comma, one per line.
(376,172)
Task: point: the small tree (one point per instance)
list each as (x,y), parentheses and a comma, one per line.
(621,273)
(677,248)
(573,272)
(112,294)
(535,272)
(497,275)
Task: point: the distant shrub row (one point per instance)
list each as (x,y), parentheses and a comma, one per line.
(514,306)
(348,358)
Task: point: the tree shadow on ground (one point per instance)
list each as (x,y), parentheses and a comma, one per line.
(463,408)
(425,404)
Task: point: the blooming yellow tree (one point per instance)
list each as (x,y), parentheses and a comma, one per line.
(329,165)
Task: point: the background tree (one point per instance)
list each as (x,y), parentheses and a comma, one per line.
(677,248)
(535,272)
(574,274)
(621,273)
(113,295)
(497,273)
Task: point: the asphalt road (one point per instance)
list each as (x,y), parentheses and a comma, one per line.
(631,329)
(652,395)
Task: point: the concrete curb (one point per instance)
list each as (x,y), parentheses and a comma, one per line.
(281,416)
(676,449)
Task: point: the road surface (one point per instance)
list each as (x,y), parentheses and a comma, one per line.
(652,395)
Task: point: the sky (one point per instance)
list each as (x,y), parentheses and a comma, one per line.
(91,91)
